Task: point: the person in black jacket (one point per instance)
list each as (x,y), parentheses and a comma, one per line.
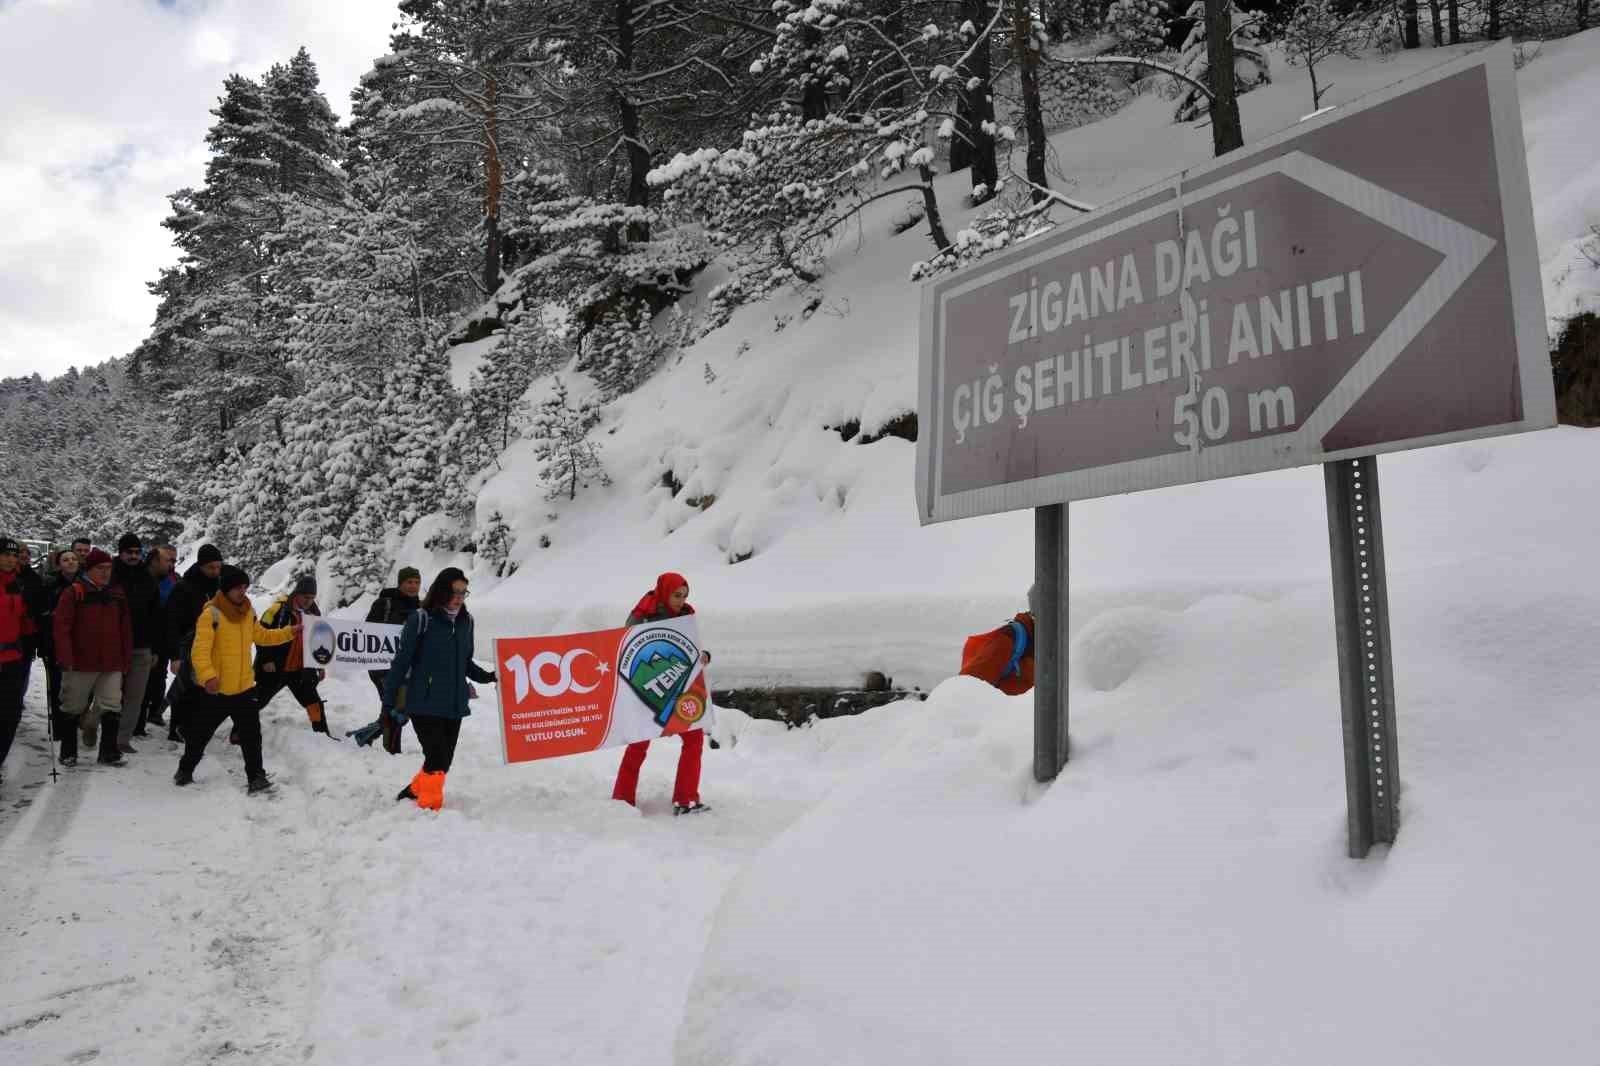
(284,665)
(67,567)
(392,607)
(33,595)
(129,573)
(199,585)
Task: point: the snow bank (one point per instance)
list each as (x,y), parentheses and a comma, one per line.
(1181,893)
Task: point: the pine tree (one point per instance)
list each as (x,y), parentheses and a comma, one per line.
(1319,30)
(1251,66)
(561,437)
(1139,27)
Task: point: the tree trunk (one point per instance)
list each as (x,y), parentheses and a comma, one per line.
(1316,90)
(1227,130)
(638,158)
(1493,31)
(1413,38)
(1583,15)
(1032,109)
(1454,8)
(930,203)
(978,105)
(1438,26)
(814,97)
(493,179)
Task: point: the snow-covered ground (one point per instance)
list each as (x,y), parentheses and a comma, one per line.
(893,888)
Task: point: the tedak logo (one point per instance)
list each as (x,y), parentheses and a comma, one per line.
(659,663)
(552,674)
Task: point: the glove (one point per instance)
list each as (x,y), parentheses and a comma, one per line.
(367,733)
(391,729)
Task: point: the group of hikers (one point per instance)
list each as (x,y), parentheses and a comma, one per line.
(111,631)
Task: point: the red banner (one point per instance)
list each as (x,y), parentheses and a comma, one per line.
(562,695)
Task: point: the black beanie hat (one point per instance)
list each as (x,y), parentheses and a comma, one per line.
(232,577)
(129,540)
(305,586)
(209,553)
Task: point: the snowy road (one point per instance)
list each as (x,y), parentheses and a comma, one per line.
(327,924)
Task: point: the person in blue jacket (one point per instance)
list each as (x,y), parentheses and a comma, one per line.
(428,682)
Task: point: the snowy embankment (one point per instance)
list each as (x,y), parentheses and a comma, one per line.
(893,888)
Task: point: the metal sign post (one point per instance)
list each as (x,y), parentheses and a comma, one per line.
(1050,741)
(1366,676)
(1363,282)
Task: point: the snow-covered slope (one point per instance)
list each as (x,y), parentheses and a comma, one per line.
(892,888)
(830,529)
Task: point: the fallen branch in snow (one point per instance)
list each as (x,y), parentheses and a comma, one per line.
(1129,61)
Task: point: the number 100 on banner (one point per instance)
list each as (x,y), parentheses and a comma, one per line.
(562,695)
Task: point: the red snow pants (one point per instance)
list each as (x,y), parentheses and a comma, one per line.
(685,790)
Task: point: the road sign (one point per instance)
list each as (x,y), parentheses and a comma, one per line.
(1363,282)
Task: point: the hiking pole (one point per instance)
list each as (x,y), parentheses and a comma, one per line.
(50,731)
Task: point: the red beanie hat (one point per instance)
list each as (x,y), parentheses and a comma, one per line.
(97,556)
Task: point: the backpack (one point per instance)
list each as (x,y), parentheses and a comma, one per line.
(416,653)
(186,646)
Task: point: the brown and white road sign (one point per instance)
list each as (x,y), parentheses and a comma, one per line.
(1363,282)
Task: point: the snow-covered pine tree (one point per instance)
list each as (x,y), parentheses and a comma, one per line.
(1319,30)
(152,511)
(561,438)
(892,87)
(1139,27)
(217,350)
(493,543)
(414,416)
(1250,63)
(304,139)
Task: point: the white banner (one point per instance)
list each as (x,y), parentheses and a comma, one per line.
(348,644)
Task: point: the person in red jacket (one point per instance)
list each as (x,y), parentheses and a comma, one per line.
(669,599)
(1004,657)
(94,645)
(16,644)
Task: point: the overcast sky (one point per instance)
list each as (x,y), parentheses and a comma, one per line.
(106,107)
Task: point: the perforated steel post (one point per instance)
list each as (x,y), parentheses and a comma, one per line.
(1361,627)
(1050,742)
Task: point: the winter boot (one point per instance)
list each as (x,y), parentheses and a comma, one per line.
(429,790)
(689,808)
(183,777)
(259,782)
(66,728)
(110,752)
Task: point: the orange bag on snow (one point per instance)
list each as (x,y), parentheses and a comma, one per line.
(1003,657)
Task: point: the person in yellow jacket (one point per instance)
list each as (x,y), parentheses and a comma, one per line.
(225,635)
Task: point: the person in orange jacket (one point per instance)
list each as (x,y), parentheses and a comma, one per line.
(1004,657)
(669,599)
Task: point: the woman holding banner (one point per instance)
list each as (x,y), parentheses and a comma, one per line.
(427,682)
(669,599)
